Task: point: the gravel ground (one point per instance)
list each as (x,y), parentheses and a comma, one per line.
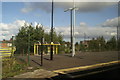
(63,61)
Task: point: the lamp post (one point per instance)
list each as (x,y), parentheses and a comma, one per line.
(72,29)
(42,40)
(73,47)
(51,48)
(117,38)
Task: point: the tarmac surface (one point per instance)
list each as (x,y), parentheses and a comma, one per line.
(63,61)
(83,66)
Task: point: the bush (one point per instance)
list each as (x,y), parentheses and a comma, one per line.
(12,67)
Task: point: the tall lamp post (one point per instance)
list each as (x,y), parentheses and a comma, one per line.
(117,38)
(72,29)
(51,52)
(42,51)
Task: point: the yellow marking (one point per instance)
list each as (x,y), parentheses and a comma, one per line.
(47,44)
(37,49)
(34,49)
(4,51)
(84,67)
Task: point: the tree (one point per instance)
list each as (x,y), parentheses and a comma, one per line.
(101,43)
(36,33)
(21,40)
(97,44)
(112,44)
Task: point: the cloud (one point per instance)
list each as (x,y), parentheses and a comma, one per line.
(83,24)
(82,6)
(111,22)
(36,6)
(7,30)
(60,0)
(85,6)
(90,31)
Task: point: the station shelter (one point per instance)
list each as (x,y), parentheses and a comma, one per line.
(46,49)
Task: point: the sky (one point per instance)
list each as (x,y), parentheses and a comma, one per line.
(93,19)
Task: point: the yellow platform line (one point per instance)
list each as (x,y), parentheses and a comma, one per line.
(4,51)
(47,44)
(84,67)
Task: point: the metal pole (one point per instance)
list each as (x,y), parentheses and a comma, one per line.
(28,48)
(71,32)
(118,29)
(73,49)
(72,46)
(117,39)
(51,53)
(41,51)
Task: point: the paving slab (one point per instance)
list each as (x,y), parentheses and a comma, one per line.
(39,73)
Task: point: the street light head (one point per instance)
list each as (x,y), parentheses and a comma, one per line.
(66,10)
(71,9)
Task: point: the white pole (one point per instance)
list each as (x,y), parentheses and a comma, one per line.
(73,47)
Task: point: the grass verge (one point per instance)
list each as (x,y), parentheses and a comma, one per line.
(13,67)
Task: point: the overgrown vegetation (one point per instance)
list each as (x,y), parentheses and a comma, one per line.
(98,44)
(12,67)
(34,35)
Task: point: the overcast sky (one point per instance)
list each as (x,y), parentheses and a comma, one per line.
(92,18)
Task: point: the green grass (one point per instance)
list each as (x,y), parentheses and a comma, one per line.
(13,67)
